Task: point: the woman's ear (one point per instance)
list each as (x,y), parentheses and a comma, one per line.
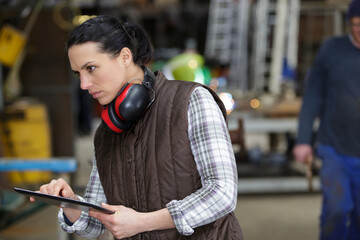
(125,56)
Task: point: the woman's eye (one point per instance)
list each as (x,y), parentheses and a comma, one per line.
(90,68)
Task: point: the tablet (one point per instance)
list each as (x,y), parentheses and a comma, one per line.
(64,202)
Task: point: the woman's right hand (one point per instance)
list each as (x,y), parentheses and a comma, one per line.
(57,187)
(60,188)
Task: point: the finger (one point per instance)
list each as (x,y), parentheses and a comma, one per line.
(43,189)
(33,199)
(49,187)
(94,214)
(58,188)
(68,192)
(102,217)
(61,188)
(113,208)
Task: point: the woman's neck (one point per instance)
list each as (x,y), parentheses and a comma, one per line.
(135,74)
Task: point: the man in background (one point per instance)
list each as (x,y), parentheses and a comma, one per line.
(333,95)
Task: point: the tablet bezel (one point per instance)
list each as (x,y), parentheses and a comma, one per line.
(63,202)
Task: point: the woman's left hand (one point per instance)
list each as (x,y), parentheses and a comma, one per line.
(125,222)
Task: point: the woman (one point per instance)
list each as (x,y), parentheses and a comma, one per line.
(163,157)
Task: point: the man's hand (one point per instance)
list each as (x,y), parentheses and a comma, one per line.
(303,153)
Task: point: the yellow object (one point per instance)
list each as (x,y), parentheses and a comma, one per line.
(26,134)
(12,41)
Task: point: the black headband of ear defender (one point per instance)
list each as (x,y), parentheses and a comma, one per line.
(149,78)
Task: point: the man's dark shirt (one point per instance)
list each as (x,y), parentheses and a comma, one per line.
(333,95)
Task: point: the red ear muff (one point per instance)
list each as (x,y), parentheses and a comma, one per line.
(129,104)
(132,102)
(113,122)
(126,108)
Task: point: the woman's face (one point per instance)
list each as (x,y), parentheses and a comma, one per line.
(102,74)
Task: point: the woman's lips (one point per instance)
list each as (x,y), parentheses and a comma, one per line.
(95,94)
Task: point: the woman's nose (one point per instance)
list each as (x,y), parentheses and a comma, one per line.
(85,83)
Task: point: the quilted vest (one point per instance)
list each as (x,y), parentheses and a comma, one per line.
(150,164)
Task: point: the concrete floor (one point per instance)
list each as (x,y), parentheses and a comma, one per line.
(271,217)
(279,217)
(262,216)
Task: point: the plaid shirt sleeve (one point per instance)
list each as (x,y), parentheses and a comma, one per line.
(87,226)
(215,161)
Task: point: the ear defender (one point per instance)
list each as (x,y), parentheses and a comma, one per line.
(129,104)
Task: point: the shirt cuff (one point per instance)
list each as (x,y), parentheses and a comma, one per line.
(179,220)
(67,221)
(78,225)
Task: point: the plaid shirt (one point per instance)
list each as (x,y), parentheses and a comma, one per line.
(214,157)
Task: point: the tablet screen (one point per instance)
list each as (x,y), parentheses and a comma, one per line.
(63,202)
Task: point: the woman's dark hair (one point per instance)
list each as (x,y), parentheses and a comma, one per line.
(113,36)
